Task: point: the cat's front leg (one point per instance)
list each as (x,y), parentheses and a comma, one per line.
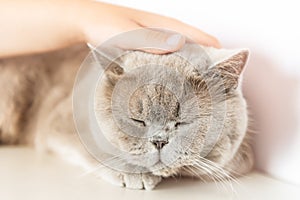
(130,180)
(57,134)
(69,147)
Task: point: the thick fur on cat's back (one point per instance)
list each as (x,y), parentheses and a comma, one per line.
(31,86)
(36,109)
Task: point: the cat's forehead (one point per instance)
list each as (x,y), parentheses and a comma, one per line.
(187,59)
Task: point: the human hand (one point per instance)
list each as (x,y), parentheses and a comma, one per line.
(29,26)
(100,21)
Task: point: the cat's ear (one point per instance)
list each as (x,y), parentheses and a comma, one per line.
(230,66)
(107,57)
(113,73)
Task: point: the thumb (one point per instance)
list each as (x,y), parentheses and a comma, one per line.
(152,41)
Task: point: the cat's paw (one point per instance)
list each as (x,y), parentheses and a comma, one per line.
(145,181)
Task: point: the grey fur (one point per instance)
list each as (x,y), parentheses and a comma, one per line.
(36,109)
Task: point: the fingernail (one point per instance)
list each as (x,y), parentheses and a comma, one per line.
(174,40)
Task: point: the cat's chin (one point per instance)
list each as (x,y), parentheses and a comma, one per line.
(158,165)
(161,169)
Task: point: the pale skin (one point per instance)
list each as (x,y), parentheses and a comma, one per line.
(30,26)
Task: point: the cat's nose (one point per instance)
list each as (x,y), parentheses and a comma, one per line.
(159,144)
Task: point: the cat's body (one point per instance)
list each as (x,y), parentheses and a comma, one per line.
(36,109)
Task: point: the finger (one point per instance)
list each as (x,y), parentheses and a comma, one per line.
(154,20)
(152,41)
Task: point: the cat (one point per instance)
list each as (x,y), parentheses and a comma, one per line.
(180,113)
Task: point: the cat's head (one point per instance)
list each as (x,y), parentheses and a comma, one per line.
(167,112)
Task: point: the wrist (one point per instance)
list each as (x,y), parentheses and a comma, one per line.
(74,12)
(94,21)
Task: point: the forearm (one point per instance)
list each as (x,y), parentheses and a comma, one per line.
(29,26)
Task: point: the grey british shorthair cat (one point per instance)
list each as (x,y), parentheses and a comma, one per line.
(191,121)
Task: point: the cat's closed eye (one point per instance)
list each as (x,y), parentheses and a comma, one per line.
(177,124)
(140,122)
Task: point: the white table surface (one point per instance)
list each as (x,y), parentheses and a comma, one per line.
(24,174)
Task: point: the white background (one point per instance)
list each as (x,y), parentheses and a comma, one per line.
(270,29)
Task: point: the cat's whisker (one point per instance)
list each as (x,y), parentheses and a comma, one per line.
(174,176)
(224,171)
(225,175)
(92,170)
(210,173)
(104,167)
(114,163)
(191,170)
(195,173)
(112,160)
(218,173)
